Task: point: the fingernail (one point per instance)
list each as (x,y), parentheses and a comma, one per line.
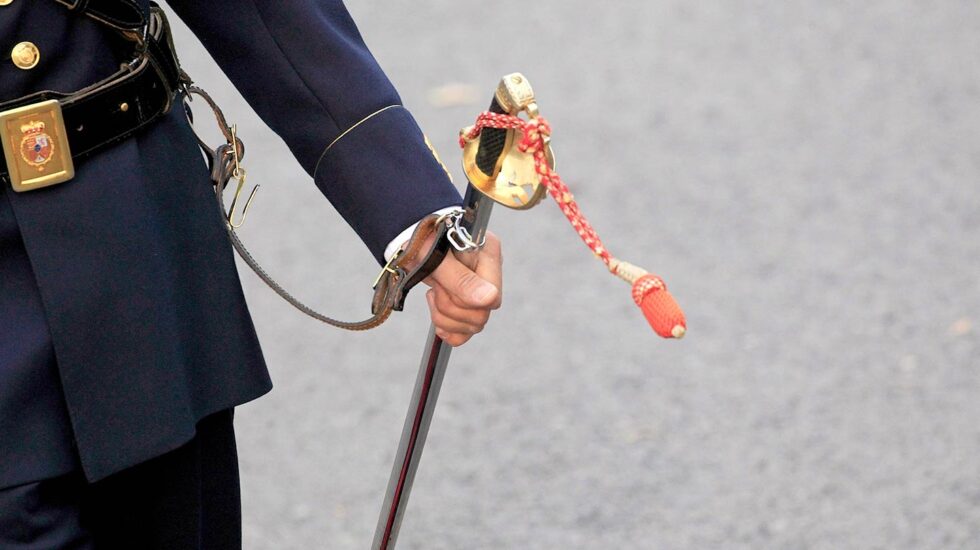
(484,292)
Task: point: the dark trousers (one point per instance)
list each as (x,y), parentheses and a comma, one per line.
(188,498)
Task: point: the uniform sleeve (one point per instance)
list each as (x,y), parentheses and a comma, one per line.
(304,68)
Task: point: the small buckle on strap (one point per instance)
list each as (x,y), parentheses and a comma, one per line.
(35,146)
(388,268)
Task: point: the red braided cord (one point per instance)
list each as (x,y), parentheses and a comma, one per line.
(649,291)
(535,131)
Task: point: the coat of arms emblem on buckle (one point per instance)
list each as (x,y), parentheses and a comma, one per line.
(35,146)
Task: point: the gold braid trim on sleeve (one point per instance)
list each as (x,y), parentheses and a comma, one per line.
(347,131)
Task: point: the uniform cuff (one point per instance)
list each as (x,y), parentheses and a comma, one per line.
(382,177)
(398,242)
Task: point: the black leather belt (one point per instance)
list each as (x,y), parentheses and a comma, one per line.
(41,128)
(122,14)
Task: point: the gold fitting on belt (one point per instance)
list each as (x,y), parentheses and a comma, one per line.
(35,146)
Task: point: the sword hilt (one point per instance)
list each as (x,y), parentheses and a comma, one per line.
(513,94)
(492,161)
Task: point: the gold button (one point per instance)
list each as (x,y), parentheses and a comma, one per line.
(5,2)
(25,55)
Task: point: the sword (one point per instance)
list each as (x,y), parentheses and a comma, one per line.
(507,160)
(483,166)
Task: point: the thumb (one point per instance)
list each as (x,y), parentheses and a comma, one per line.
(464,286)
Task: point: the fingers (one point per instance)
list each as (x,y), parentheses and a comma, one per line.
(465,287)
(453,339)
(446,322)
(462,319)
(489,266)
(451,331)
(461,296)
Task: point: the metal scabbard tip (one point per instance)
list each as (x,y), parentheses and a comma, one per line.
(678,332)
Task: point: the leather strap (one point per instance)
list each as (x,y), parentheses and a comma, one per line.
(392,289)
(410,266)
(395,280)
(125,15)
(113,109)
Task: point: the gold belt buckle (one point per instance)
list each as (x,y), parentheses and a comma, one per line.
(35,145)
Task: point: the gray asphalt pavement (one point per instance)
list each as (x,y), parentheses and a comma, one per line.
(804,175)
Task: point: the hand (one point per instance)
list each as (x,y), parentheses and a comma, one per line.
(464,291)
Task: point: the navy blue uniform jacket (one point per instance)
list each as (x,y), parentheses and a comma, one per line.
(136,275)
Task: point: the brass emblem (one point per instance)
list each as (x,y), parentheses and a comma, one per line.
(25,55)
(35,146)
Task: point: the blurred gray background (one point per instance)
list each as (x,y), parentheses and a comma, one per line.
(803,175)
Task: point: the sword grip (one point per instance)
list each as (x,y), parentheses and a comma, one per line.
(477,205)
(492,142)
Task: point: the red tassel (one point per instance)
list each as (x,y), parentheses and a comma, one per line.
(659,307)
(649,291)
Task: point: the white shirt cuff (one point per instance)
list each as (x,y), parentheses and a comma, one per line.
(403,237)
